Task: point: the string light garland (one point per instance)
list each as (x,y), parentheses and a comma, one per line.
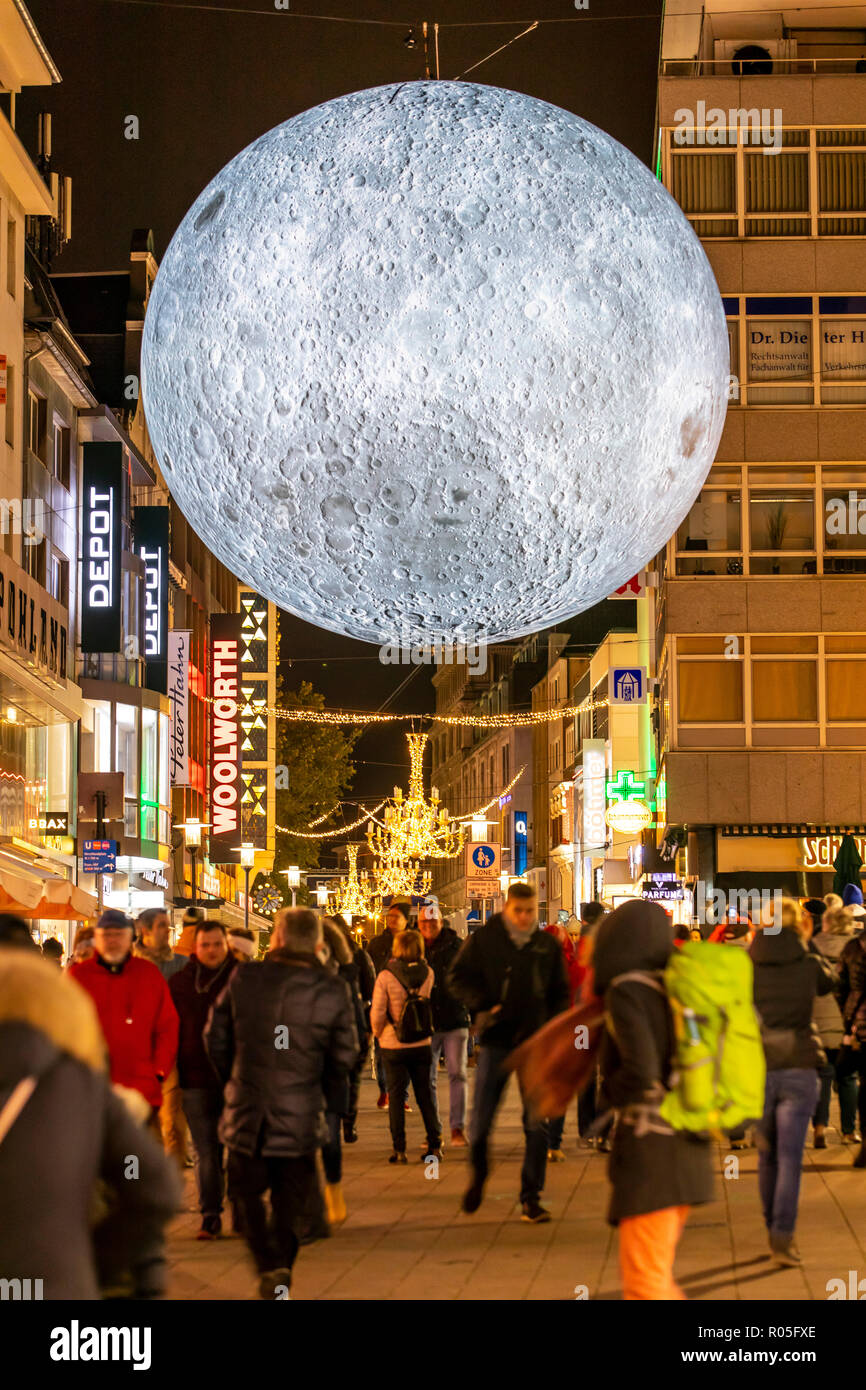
(523,720)
(329,834)
(474,815)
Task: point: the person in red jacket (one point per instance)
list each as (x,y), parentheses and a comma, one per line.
(138,1019)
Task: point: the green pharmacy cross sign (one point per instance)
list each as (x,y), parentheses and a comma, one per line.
(624,787)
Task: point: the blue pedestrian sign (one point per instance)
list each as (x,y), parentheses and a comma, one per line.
(483,856)
(628,685)
(99,857)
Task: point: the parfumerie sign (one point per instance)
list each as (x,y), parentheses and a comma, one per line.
(101,547)
(226,785)
(27,625)
(151,544)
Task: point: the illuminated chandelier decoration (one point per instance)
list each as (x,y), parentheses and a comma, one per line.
(414,828)
(400,878)
(353,895)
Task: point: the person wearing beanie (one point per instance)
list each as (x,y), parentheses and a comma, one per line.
(134,1007)
(185,944)
(852,897)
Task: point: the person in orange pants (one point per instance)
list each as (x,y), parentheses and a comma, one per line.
(657,1173)
(647,1248)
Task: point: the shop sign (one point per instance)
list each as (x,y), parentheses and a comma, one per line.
(101,546)
(151,543)
(226,783)
(819,851)
(178,698)
(663,888)
(27,625)
(50,823)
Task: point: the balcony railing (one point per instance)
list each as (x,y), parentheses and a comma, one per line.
(746,67)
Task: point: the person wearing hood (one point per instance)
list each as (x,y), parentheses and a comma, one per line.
(830,941)
(450,1017)
(281,1036)
(787,979)
(657,1173)
(65,1133)
(510,975)
(406,973)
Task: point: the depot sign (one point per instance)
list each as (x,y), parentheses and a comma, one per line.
(151,544)
(226,783)
(101,547)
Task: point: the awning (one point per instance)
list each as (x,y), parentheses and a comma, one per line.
(56,899)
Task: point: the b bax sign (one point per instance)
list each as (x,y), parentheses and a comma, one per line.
(226,785)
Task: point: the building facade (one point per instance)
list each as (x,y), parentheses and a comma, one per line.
(760,637)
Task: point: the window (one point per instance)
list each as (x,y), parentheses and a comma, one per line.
(782,523)
(58,580)
(846,690)
(10,405)
(62,450)
(37,415)
(101,736)
(35,562)
(785,692)
(11,256)
(710,692)
(712,528)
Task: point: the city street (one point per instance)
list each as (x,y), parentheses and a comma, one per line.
(406,1238)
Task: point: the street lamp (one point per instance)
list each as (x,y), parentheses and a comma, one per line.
(478,828)
(248,859)
(192,829)
(293,878)
(322,895)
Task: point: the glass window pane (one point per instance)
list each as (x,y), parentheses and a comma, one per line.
(704,182)
(779,349)
(846,690)
(784,644)
(710,692)
(101,736)
(844,519)
(779,183)
(847,642)
(781,519)
(127,746)
(713,522)
(785,691)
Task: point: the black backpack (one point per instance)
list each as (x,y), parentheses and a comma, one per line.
(415,1023)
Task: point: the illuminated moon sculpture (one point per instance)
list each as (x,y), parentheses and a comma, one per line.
(435,360)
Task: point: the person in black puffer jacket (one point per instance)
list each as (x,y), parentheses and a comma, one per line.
(787,978)
(282,1036)
(852,997)
(511,976)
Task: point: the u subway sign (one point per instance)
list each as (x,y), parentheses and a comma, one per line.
(101,547)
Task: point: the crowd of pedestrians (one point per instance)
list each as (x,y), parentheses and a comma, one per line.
(250,1071)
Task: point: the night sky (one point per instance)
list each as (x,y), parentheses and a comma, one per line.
(205,79)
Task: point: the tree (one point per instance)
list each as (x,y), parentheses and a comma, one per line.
(314,768)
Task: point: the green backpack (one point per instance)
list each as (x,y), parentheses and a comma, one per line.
(719,1068)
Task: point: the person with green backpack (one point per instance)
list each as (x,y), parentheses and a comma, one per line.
(682,1061)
